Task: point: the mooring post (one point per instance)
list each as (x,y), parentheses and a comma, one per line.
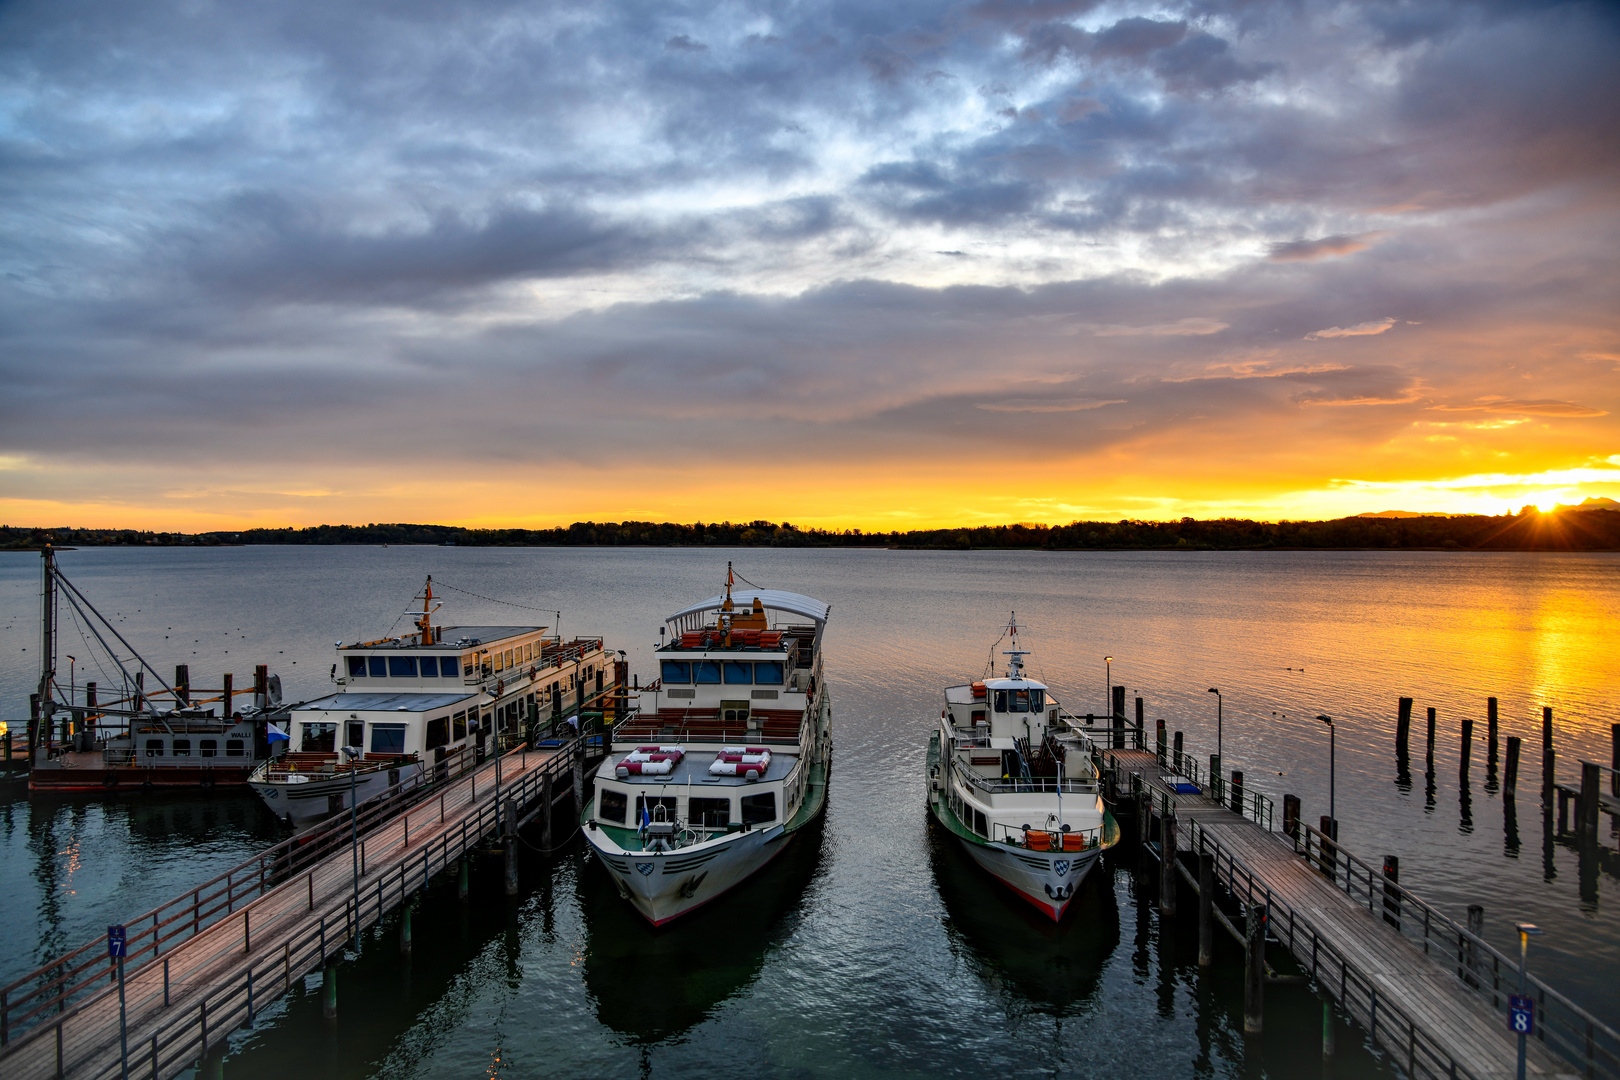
(1548,760)
(1167,865)
(511,849)
(1591,777)
(1237,791)
(1563,812)
(329,992)
(1429,754)
(1403,727)
(1206,901)
(461,880)
(1327,1028)
(1159,736)
(1177,763)
(1141,732)
(545,809)
(1614,759)
(1392,892)
(1510,778)
(1467,747)
(1492,728)
(579,777)
(405,928)
(1117,721)
(1254,974)
(1291,816)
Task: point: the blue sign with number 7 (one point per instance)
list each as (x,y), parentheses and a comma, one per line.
(115,942)
(1521,1015)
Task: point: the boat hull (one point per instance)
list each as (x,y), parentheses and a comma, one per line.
(1048,880)
(666,885)
(136,778)
(313,799)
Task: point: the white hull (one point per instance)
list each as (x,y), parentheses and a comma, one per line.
(302,799)
(665,885)
(1047,879)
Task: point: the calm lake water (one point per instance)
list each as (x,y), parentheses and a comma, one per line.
(872,949)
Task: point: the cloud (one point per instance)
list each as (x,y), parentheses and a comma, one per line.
(1376,326)
(1047,406)
(1322,248)
(1542,407)
(1190,327)
(684,43)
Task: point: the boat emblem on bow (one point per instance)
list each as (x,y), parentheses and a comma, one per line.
(1061,867)
(646,868)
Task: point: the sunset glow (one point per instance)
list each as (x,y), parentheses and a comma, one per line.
(926,265)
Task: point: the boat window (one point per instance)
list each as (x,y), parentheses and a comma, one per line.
(677,671)
(1001,701)
(488,666)
(357,667)
(759,809)
(712,813)
(438,732)
(379,666)
(706,671)
(610,806)
(739,672)
(1020,701)
(488,723)
(458,726)
(430,667)
(979,717)
(448,666)
(768,673)
(234,748)
(390,738)
(648,805)
(1037,700)
(319,739)
(498,661)
(509,663)
(980,825)
(467,664)
(181,748)
(208,748)
(402,667)
(154,747)
(528,651)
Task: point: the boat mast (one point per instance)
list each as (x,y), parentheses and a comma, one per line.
(1015,655)
(47,663)
(424,625)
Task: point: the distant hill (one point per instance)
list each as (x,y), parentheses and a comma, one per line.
(1407,514)
(1600,504)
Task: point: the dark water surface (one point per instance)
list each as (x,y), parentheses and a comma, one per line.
(872,948)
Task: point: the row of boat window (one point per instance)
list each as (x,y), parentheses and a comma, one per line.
(205,748)
(970,816)
(734,672)
(709,813)
(406,667)
(1020,700)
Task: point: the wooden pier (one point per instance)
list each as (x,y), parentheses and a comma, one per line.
(196,980)
(1429,993)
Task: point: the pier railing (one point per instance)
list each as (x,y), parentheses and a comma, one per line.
(51,989)
(1572,1032)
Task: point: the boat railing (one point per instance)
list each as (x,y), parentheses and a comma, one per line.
(1028,785)
(1056,838)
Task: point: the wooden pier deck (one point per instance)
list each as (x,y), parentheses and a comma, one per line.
(1436,1007)
(215,980)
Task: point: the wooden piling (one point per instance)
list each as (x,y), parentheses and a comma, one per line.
(1591,778)
(1167,865)
(225,696)
(1429,754)
(1511,777)
(1549,760)
(1491,731)
(405,930)
(1467,747)
(1160,735)
(1291,816)
(1237,791)
(1141,732)
(1392,892)
(1254,970)
(1614,759)
(545,813)
(511,848)
(1206,916)
(182,684)
(1403,727)
(1176,764)
(461,880)
(1117,720)
(329,992)
(1328,1048)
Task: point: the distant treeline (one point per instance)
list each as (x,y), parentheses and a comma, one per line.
(1565,530)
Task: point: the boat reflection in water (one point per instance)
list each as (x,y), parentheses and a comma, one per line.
(651,986)
(1020,954)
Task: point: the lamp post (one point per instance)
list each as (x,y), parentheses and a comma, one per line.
(1219,751)
(1333,817)
(354,831)
(1108,689)
(1523,1026)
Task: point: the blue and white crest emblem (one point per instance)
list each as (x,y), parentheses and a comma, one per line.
(646,868)
(1061,867)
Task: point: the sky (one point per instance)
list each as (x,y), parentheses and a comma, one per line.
(893,265)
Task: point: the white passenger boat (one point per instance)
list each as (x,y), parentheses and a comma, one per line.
(424,707)
(1014,782)
(731,761)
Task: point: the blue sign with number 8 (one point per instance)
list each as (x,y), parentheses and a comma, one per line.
(1521,1015)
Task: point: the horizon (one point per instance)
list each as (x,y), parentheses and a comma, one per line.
(919,266)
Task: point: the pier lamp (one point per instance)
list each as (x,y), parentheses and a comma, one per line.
(1333,817)
(349,754)
(1108,688)
(1522,1027)
(1219,751)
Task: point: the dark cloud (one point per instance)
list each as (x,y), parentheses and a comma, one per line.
(1320,248)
